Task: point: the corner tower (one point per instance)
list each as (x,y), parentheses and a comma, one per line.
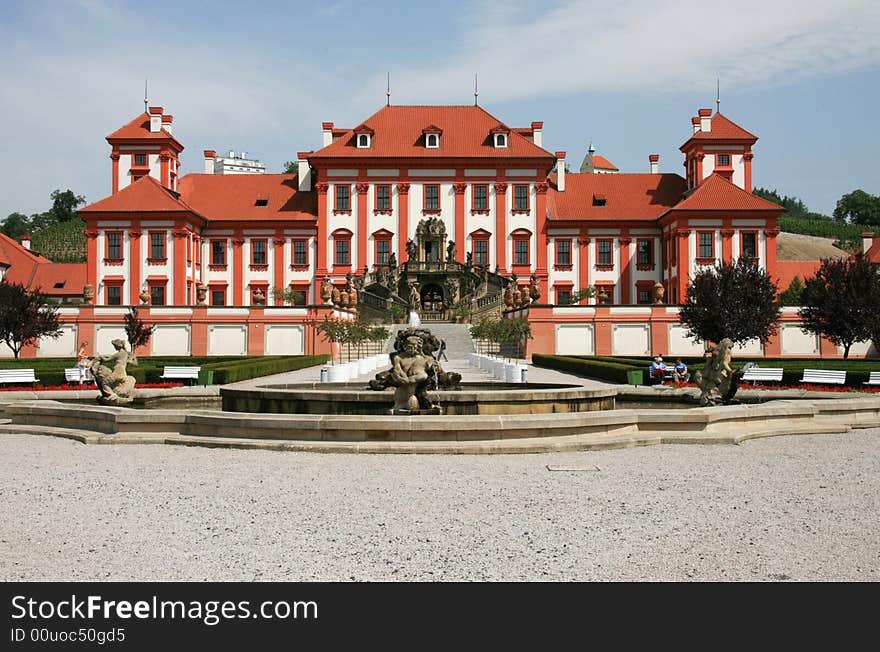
(145,147)
(720,146)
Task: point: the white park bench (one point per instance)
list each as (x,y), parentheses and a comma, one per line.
(828,376)
(873,378)
(763,375)
(18,376)
(184,373)
(71,375)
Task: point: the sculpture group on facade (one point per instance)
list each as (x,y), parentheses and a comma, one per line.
(414,372)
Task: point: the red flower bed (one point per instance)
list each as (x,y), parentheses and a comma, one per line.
(67,388)
(806,386)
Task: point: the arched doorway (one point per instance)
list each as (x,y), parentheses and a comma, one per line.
(432,297)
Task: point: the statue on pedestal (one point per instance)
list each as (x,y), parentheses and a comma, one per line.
(717,380)
(326,290)
(412,250)
(450,252)
(112,378)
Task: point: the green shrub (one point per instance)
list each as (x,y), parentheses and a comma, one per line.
(610,371)
(257,367)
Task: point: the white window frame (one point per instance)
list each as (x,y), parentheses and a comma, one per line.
(500,141)
(436,141)
(367,144)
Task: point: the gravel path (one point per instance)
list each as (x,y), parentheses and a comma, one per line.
(799,508)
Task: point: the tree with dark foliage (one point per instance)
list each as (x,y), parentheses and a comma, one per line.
(26,316)
(842,301)
(136,330)
(736,301)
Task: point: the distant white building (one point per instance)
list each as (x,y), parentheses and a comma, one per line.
(232,164)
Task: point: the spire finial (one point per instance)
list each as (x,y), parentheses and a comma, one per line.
(388,91)
(146,101)
(476,90)
(718,94)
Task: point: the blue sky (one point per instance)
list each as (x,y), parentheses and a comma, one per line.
(804,76)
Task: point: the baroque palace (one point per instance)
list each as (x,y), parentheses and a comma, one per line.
(441,209)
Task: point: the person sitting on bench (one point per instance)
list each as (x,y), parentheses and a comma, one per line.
(680,373)
(657,369)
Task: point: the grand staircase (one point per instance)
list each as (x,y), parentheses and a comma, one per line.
(457,336)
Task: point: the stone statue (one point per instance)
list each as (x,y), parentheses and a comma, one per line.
(145,297)
(259,297)
(468,261)
(508,296)
(717,380)
(392,261)
(450,252)
(88,292)
(657,292)
(414,372)
(326,290)
(534,289)
(112,379)
(201,294)
(412,250)
(415,298)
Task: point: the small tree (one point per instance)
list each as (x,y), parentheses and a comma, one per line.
(792,296)
(842,302)
(336,332)
(26,316)
(736,301)
(137,332)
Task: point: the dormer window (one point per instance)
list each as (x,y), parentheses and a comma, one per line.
(599,200)
(500,136)
(500,140)
(432,135)
(363,141)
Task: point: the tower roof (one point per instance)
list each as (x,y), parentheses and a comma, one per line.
(717,193)
(723,128)
(146,195)
(139,129)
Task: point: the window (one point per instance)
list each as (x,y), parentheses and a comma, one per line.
(114,246)
(218,252)
(383,198)
(343,198)
(644,254)
(261,202)
(258,252)
(723,160)
(481,198)
(363,141)
(432,198)
(563,253)
(157,245)
(383,250)
(432,141)
(481,252)
(114,295)
(644,296)
(707,245)
(521,251)
(342,252)
(300,253)
(749,245)
(218,297)
(603,253)
(157,294)
(500,140)
(521,198)
(563,296)
(140,160)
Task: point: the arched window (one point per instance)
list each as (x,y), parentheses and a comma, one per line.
(433,141)
(363,141)
(500,140)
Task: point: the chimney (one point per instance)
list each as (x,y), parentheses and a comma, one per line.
(327,128)
(156,119)
(231,153)
(696,124)
(560,171)
(244,155)
(867,241)
(166,122)
(537,133)
(705,120)
(304,171)
(26,241)
(654,159)
(209,160)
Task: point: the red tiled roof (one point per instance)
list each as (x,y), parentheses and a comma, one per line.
(627,196)
(873,253)
(144,195)
(602,163)
(723,128)
(717,193)
(139,129)
(466,133)
(35,271)
(234,197)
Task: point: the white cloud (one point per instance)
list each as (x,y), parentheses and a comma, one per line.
(585,45)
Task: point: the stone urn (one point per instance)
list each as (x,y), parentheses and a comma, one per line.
(326,291)
(334,296)
(517,297)
(88,293)
(201,294)
(145,297)
(343,299)
(353,298)
(508,296)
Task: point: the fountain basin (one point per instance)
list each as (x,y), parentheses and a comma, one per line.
(473,399)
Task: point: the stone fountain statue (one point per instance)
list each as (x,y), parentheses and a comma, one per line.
(718,381)
(414,372)
(111,376)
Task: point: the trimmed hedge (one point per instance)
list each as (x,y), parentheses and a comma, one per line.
(610,371)
(227,369)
